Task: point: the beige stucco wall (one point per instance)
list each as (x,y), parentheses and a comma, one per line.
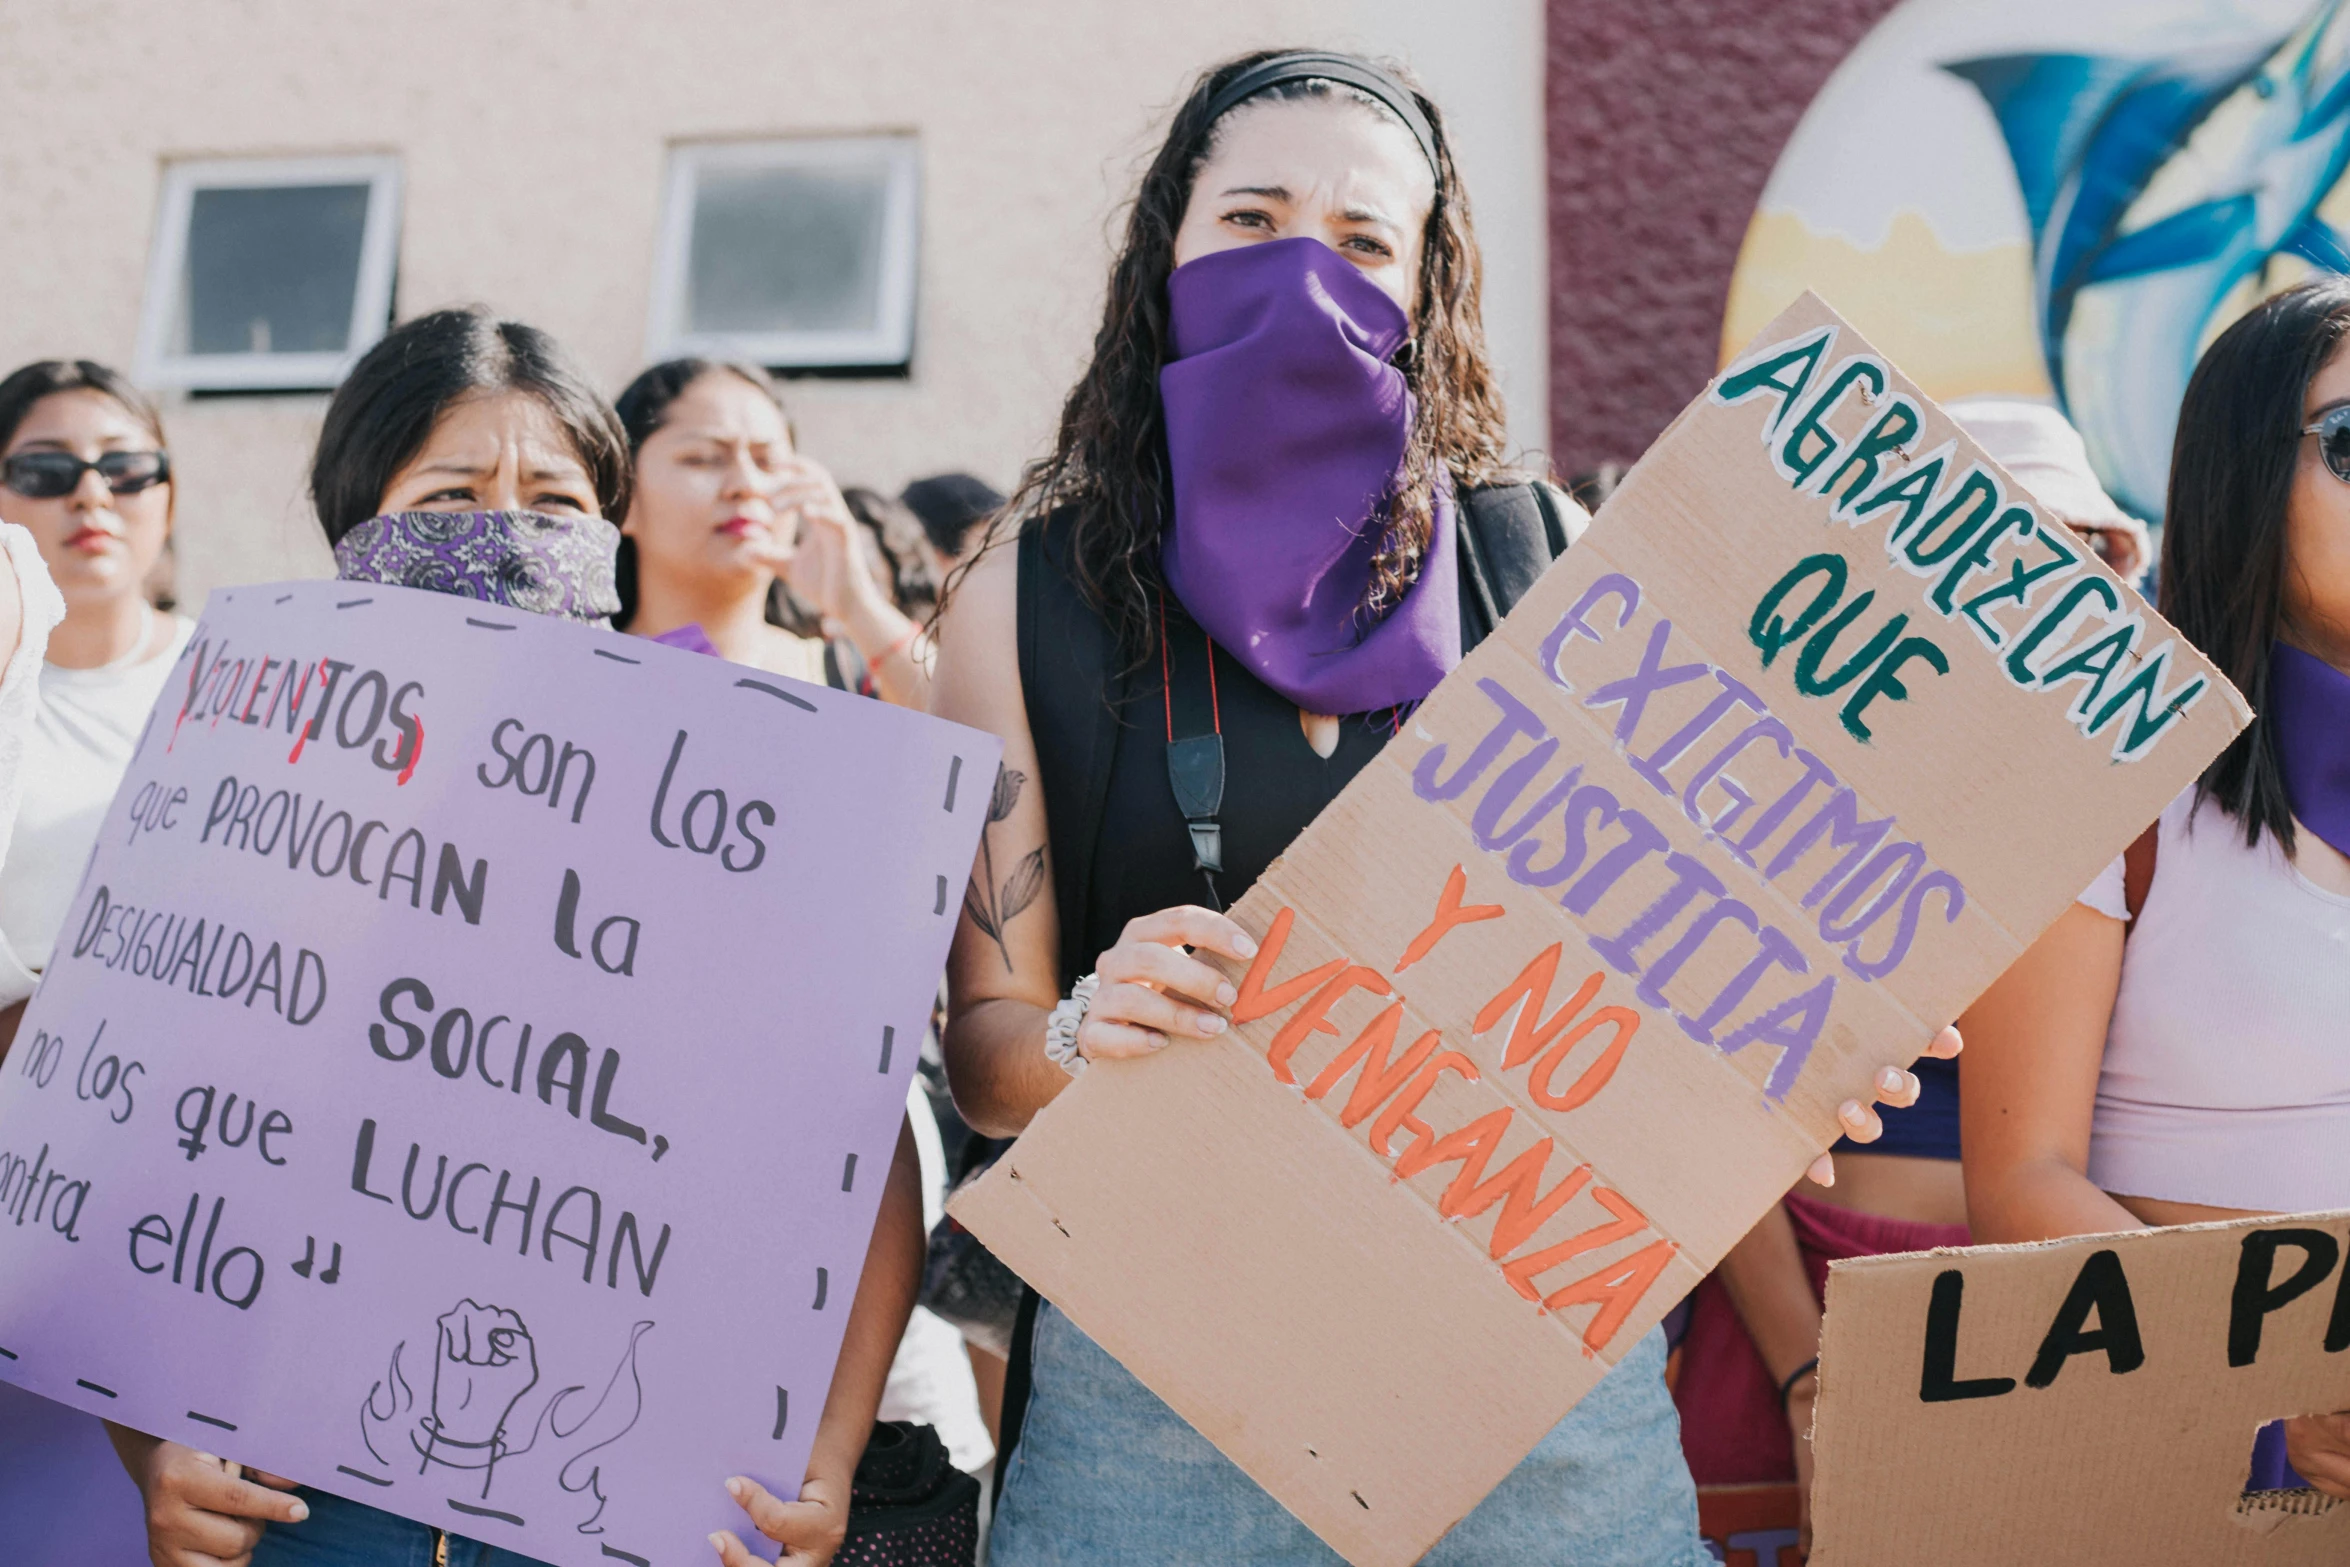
(533,136)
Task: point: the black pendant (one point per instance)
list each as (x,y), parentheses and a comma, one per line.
(1195,767)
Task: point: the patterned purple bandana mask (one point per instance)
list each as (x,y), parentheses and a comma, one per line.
(1286,426)
(525,560)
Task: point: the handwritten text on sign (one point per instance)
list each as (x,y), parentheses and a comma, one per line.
(1818,724)
(2107,1387)
(468,1071)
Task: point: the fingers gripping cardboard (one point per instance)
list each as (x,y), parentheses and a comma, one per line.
(470,1068)
(1820,723)
(2086,1401)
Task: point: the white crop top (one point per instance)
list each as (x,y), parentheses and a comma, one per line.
(2227,1065)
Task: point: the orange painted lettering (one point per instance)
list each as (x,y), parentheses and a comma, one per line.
(1398,1113)
(1314,1017)
(1615,1290)
(1531,1032)
(1594,1076)
(1379,1079)
(1628,1222)
(1525,1207)
(1255,1000)
(1449,912)
(1471,1146)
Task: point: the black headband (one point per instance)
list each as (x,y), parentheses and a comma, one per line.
(1309,65)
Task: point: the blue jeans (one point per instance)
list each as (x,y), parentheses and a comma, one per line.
(342,1533)
(1105,1472)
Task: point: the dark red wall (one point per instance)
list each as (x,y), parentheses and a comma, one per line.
(1665,119)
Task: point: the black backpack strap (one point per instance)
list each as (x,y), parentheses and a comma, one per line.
(1510,533)
(1070,683)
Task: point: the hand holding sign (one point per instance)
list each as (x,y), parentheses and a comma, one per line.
(1153,991)
(200,1509)
(1756,783)
(407,1070)
(2105,1389)
(809,1530)
(2318,1447)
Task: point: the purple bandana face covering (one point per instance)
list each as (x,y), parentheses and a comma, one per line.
(2309,703)
(526,560)
(1285,427)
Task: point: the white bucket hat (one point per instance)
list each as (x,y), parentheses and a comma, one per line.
(2045,454)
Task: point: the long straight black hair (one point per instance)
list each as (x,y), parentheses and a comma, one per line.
(2223,537)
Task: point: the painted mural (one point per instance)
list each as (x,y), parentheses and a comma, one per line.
(2064,199)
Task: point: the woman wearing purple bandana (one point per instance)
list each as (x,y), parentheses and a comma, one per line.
(1268,527)
(2176,1048)
(467,455)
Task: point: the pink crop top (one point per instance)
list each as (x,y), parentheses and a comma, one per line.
(2226,1078)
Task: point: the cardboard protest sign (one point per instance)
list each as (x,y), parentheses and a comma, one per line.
(2086,1401)
(469,1070)
(1818,725)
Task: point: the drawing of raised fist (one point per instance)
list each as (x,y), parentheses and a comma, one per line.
(483,1362)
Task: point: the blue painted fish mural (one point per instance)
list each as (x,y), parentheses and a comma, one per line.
(2156,190)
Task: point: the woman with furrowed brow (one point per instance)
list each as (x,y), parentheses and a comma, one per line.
(728,513)
(1266,527)
(468,455)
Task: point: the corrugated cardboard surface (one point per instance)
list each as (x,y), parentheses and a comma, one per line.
(2103,1464)
(1351,1335)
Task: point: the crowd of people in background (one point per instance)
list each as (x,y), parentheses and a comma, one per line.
(1291,324)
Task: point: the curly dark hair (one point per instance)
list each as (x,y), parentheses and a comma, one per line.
(1109,463)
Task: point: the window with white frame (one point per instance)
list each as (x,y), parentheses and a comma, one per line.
(794,254)
(269,274)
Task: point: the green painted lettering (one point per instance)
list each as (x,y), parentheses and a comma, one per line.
(1768,632)
(1885,681)
(2051,620)
(1810,442)
(1895,428)
(1780,372)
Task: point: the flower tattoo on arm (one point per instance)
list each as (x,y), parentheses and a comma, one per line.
(990,904)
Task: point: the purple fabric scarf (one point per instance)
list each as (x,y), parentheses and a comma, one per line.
(2309,703)
(1286,427)
(526,560)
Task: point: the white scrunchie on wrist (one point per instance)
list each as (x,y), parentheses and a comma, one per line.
(1060,1030)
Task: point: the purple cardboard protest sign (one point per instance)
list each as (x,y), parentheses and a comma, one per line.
(469,1070)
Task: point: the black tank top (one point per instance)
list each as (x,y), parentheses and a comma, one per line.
(1119,844)
(1274,783)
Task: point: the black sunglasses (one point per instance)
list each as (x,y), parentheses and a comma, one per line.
(44,476)
(2333,440)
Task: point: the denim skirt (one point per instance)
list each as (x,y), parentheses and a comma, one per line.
(342,1533)
(1107,1473)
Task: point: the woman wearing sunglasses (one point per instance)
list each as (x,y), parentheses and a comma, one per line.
(2176,1048)
(83,467)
